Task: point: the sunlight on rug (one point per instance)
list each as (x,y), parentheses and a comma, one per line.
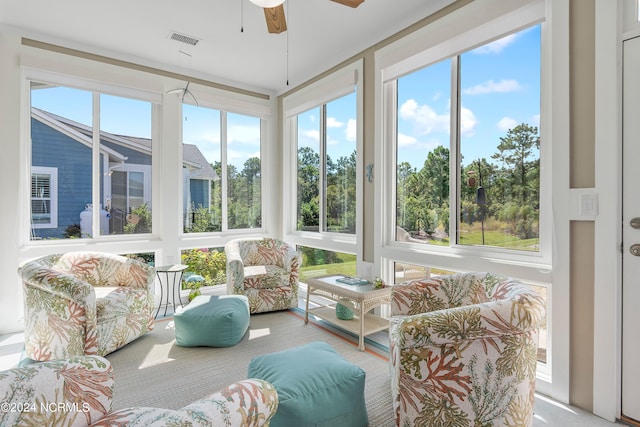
(159,353)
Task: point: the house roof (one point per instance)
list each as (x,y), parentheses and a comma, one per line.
(201,169)
(193,159)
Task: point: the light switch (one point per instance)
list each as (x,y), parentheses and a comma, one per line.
(588,204)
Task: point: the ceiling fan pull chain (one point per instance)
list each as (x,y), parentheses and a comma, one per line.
(242,16)
(287,53)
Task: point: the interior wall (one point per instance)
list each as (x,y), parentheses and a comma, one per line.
(582,175)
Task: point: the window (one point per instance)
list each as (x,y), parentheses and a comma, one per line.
(222,170)
(466,149)
(44,197)
(320,262)
(109,167)
(494,105)
(326,167)
(322,185)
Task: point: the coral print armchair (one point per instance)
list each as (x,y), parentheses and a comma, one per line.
(85,303)
(463,351)
(265,271)
(72,392)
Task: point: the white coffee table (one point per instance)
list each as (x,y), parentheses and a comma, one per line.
(360,298)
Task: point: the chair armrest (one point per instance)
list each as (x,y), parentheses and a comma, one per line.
(293,261)
(34,394)
(60,313)
(249,403)
(55,282)
(235,269)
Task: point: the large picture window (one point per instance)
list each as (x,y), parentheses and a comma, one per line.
(326,173)
(323,163)
(466,144)
(482,108)
(222,170)
(107,167)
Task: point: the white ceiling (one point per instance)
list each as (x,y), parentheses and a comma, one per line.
(321,34)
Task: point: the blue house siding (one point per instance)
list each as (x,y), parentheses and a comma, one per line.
(199,193)
(133,156)
(71,157)
(51,148)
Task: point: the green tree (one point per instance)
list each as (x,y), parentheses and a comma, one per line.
(518,152)
(308,188)
(341,194)
(404,174)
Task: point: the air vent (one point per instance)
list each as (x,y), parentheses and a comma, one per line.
(183,38)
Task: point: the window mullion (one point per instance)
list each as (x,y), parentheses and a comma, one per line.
(223,170)
(95,166)
(323,169)
(454,150)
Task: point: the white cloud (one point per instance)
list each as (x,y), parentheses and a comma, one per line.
(242,134)
(507,123)
(351,131)
(468,122)
(424,117)
(493,87)
(332,122)
(496,46)
(309,138)
(406,140)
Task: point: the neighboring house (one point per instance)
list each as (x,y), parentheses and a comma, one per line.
(61,176)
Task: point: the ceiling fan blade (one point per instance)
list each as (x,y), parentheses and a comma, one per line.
(350,3)
(276,22)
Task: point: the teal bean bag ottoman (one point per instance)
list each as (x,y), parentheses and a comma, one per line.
(316,387)
(212,321)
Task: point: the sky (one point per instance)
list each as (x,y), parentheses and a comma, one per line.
(500,88)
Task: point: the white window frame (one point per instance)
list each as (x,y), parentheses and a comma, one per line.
(462,30)
(53,188)
(329,88)
(258,113)
(96,88)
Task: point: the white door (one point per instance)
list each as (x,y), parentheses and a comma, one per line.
(631,230)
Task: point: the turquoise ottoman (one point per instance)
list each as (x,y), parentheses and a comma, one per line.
(316,387)
(212,321)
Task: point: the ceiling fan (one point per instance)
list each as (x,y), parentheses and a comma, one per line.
(274,12)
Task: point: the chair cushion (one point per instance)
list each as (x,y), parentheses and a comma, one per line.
(265,277)
(213,321)
(316,387)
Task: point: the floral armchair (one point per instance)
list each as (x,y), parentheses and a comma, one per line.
(78,392)
(463,350)
(73,392)
(85,303)
(265,271)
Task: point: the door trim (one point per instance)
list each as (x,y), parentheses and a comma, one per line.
(607,355)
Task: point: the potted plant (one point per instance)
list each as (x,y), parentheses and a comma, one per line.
(193,282)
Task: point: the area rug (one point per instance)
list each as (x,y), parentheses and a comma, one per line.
(153,371)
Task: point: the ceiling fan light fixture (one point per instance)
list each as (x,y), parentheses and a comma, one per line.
(267,3)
